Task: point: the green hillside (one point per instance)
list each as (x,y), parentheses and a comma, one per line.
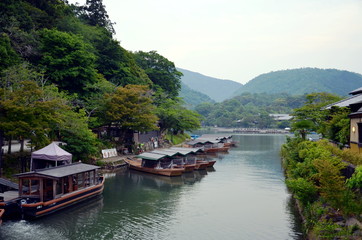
(215,88)
(63,74)
(303,80)
(193,98)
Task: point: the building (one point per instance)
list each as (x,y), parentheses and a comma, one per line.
(355,104)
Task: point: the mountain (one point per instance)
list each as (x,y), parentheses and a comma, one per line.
(303,80)
(215,88)
(193,98)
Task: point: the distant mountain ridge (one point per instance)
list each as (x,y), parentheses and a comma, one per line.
(193,98)
(303,80)
(216,89)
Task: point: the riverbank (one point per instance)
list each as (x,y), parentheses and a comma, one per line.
(318,177)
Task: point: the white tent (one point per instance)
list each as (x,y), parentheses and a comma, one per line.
(52,152)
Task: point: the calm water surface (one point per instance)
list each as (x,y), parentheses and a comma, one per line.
(243,197)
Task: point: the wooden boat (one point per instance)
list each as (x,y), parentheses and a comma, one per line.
(216,149)
(201,165)
(211,163)
(178,158)
(48,190)
(170,172)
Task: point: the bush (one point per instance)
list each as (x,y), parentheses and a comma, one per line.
(303,190)
(355,182)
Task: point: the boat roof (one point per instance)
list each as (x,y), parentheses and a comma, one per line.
(168,152)
(202,141)
(152,156)
(60,171)
(187,150)
(215,136)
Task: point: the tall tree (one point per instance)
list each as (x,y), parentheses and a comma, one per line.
(8,56)
(130,108)
(68,61)
(96,15)
(176,118)
(161,71)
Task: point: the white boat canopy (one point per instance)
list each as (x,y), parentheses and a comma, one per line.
(53,153)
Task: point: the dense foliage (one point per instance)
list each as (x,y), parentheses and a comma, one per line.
(161,71)
(249,110)
(331,123)
(304,80)
(314,176)
(62,73)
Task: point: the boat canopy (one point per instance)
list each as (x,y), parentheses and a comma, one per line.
(202,141)
(152,156)
(187,150)
(52,152)
(60,171)
(168,152)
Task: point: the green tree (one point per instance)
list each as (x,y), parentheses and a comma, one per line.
(95,14)
(313,110)
(81,141)
(68,61)
(303,127)
(161,71)
(176,118)
(129,108)
(8,56)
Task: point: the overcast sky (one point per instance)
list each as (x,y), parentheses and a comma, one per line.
(241,39)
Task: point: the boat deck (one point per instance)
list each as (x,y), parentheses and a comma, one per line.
(8,195)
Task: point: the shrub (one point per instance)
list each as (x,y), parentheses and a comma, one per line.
(303,190)
(355,182)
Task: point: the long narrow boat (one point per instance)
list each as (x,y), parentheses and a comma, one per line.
(170,172)
(178,159)
(211,163)
(215,149)
(45,191)
(201,165)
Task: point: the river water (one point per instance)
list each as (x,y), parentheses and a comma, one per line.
(243,197)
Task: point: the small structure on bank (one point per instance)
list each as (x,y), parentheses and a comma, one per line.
(49,156)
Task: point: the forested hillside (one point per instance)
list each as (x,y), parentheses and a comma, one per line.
(193,98)
(304,80)
(249,110)
(216,89)
(62,74)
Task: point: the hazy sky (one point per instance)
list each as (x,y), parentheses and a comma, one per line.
(241,39)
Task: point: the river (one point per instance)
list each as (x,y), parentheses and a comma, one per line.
(243,197)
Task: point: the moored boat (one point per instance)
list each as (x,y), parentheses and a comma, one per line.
(170,172)
(156,164)
(211,163)
(215,149)
(179,159)
(201,165)
(48,190)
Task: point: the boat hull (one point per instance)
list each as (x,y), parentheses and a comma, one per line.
(201,165)
(214,150)
(171,172)
(211,163)
(189,167)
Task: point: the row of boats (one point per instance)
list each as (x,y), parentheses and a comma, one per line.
(175,161)
(47,190)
